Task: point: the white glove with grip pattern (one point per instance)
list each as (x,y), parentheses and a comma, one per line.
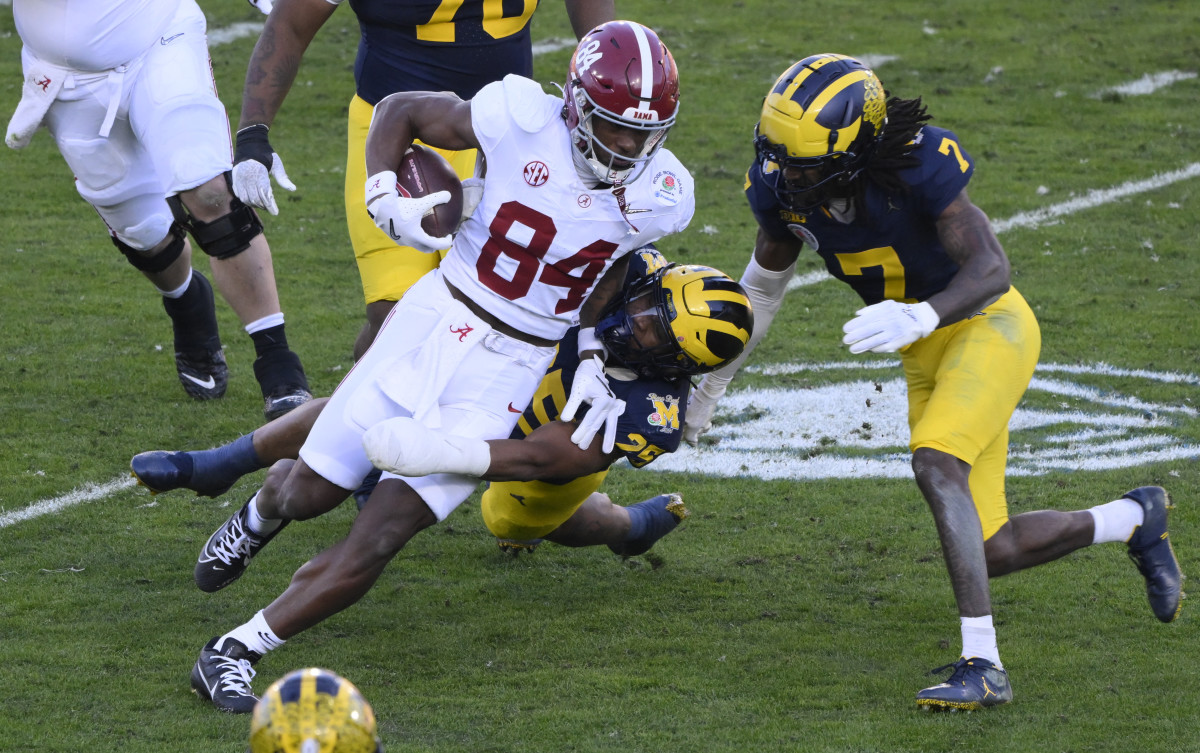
(398,215)
(590,385)
(254,164)
(888,326)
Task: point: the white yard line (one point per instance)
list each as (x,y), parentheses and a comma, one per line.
(89,493)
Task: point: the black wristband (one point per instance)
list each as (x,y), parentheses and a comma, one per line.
(252,144)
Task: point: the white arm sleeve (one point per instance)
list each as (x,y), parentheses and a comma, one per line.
(765,289)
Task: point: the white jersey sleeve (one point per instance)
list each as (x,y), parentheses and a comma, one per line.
(541,238)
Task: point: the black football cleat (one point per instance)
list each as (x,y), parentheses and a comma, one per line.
(974,684)
(163,471)
(663,513)
(284,401)
(1150,549)
(222,675)
(203,373)
(228,552)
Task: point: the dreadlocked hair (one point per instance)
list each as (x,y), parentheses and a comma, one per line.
(893,153)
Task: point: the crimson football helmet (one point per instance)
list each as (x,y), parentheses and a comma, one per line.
(622,73)
(820,123)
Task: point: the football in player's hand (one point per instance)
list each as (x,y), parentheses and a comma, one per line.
(424,171)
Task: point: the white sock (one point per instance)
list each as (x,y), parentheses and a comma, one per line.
(258,524)
(255,635)
(1117,520)
(979,639)
(268,321)
(179,291)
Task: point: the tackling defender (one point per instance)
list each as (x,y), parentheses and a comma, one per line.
(126,90)
(673,322)
(881,197)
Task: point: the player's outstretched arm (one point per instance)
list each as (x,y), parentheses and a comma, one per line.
(765,281)
(406,447)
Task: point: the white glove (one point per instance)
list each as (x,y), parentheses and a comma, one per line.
(407,447)
(697,419)
(265,7)
(400,216)
(590,385)
(888,326)
(252,183)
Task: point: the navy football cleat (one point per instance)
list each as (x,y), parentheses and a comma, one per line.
(974,684)
(203,373)
(228,552)
(659,515)
(163,471)
(1150,549)
(222,675)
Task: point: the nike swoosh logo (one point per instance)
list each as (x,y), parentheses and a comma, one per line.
(207,384)
(511,409)
(168,40)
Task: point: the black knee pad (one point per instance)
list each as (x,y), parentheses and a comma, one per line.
(160,261)
(226,236)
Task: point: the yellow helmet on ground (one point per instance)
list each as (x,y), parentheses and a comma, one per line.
(313,711)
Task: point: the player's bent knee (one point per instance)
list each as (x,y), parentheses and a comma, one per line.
(142,255)
(225,237)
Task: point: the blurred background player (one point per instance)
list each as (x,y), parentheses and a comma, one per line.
(465,348)
(150,151)
(427,45)
(313,711)
(543,486)
(881,197)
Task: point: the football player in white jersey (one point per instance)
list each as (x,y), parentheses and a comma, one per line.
(125,88)
(572,185)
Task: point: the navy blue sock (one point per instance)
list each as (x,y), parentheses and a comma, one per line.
(222,466)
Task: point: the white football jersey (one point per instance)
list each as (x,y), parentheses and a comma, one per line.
(541,238)
(91,35)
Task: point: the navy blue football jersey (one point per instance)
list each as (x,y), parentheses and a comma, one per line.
(896,253)
(654,408)
(436,45)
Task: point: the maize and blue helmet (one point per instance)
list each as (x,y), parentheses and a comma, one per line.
(313,711)
(820,123)
(680,321)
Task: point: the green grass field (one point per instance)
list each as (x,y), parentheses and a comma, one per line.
(801,605)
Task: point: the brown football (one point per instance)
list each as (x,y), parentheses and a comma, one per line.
(424,171)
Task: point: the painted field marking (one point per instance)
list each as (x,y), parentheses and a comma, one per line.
(88,493)
(858,426)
